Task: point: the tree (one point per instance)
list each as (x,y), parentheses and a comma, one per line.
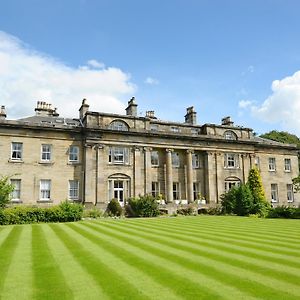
(282,137)
(260,204)
(6,189)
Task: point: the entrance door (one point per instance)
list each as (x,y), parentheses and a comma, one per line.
(119,191)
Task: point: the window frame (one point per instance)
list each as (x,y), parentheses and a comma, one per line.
(176,190)
(287,166)
(45,191)
(73,189)
(175,159)
(231,161)
(16,191)
(195,160)
(47,153)
(230,135)
(290,193)
(272,164)
(20,151)
(118,125)
(154,157)
(72,153)
(118,155)
(274,193)
(155,189)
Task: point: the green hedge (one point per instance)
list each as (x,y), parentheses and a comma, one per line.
(144,206)
(64,212)
(286,212)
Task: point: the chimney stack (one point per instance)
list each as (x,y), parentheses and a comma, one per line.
(191,116)
(83,109)
(131,109)
(45,109)
(150,114)
(2,113)
(227,121)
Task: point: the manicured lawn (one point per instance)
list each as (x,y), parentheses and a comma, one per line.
(163,258)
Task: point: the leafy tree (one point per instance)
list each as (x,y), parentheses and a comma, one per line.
(5,191)
(282,137)
(114,208)
(260,204)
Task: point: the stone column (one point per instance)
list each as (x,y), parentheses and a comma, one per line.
(101,188)
(89,174)
(169,175)
(189,171)
(138,183)
(147,169)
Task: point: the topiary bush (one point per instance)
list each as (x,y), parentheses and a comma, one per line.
(114,208)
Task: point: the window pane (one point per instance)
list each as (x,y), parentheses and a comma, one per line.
(73,153)
(16,150)
(45,186)
(16,194)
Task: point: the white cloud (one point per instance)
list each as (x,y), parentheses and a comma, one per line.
(283,105)
(151,81)
(27,76)
(245,103)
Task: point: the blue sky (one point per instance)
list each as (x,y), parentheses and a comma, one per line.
(230,57)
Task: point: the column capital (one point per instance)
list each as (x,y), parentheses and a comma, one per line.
(147,149)
(188,151)
(98,146)
(169,150)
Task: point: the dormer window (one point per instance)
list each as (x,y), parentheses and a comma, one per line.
(118,125)
(230,135)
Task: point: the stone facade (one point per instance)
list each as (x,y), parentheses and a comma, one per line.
(101,156)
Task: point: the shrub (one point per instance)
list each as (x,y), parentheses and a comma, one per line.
(93,213)
(188,210)
(144,206)
(5,191)
(114,208)
(284,212)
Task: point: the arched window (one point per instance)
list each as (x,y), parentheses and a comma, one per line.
(118,125)
(119,187)
(230,135)
(231,182)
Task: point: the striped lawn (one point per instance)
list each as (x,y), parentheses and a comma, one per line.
(203,257)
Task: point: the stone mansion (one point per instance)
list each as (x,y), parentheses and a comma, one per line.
(99,156)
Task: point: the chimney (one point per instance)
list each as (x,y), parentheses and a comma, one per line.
(131,109)
(150,114)
(45,109)
(2,113)
(83,109)
(227,121)
(191,116)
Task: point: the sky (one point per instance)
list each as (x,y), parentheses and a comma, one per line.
(224,57)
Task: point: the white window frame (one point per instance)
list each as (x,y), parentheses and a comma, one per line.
(290,193)
(196,190)
(287,165)
(46,152)
(73,189)
(175,129)
(176,191)
(16,151)
(155,189)
(45,189)
(231,183)
(230,135)
(274,193)
(272,164)
(118,125)
(154,158)
(231,161)
(16,193)
(73,153)
(195,160)
(118,155)
(175,160)
(125,190)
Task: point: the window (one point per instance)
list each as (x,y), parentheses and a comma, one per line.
(154,127)
(257,162)
(272,164)
(287,165)
(118,125)
(155,189)
(175,160)
(196,190)
(73,189)
(231,161)
(195,161)
(118,155)
(119,188)
(174,129)
(46,153)
(231,182)
(230,135)
(154,159)
(290,193)
(16,193)
(16,151)
(175,190)
(274,192)
(195,131)
(45,187)
(74,154)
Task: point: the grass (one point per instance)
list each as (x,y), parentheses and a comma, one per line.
(162,258)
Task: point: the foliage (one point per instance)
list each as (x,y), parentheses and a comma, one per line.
(187,210)
(296,184)
(114,208)
(217,210)
(65,212)
(282,137)
(284,212)
(93,213)
(5,191)
(260,204)
(143,206)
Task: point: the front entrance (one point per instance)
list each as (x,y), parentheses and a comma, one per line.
(119,191)
(119,188)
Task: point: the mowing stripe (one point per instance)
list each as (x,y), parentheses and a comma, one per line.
(48,280)
(100,265)
(5,231)
(79,281)
(210,241)
(227,272)
(164,260)
(7,249)
(18,280)
(291,274)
